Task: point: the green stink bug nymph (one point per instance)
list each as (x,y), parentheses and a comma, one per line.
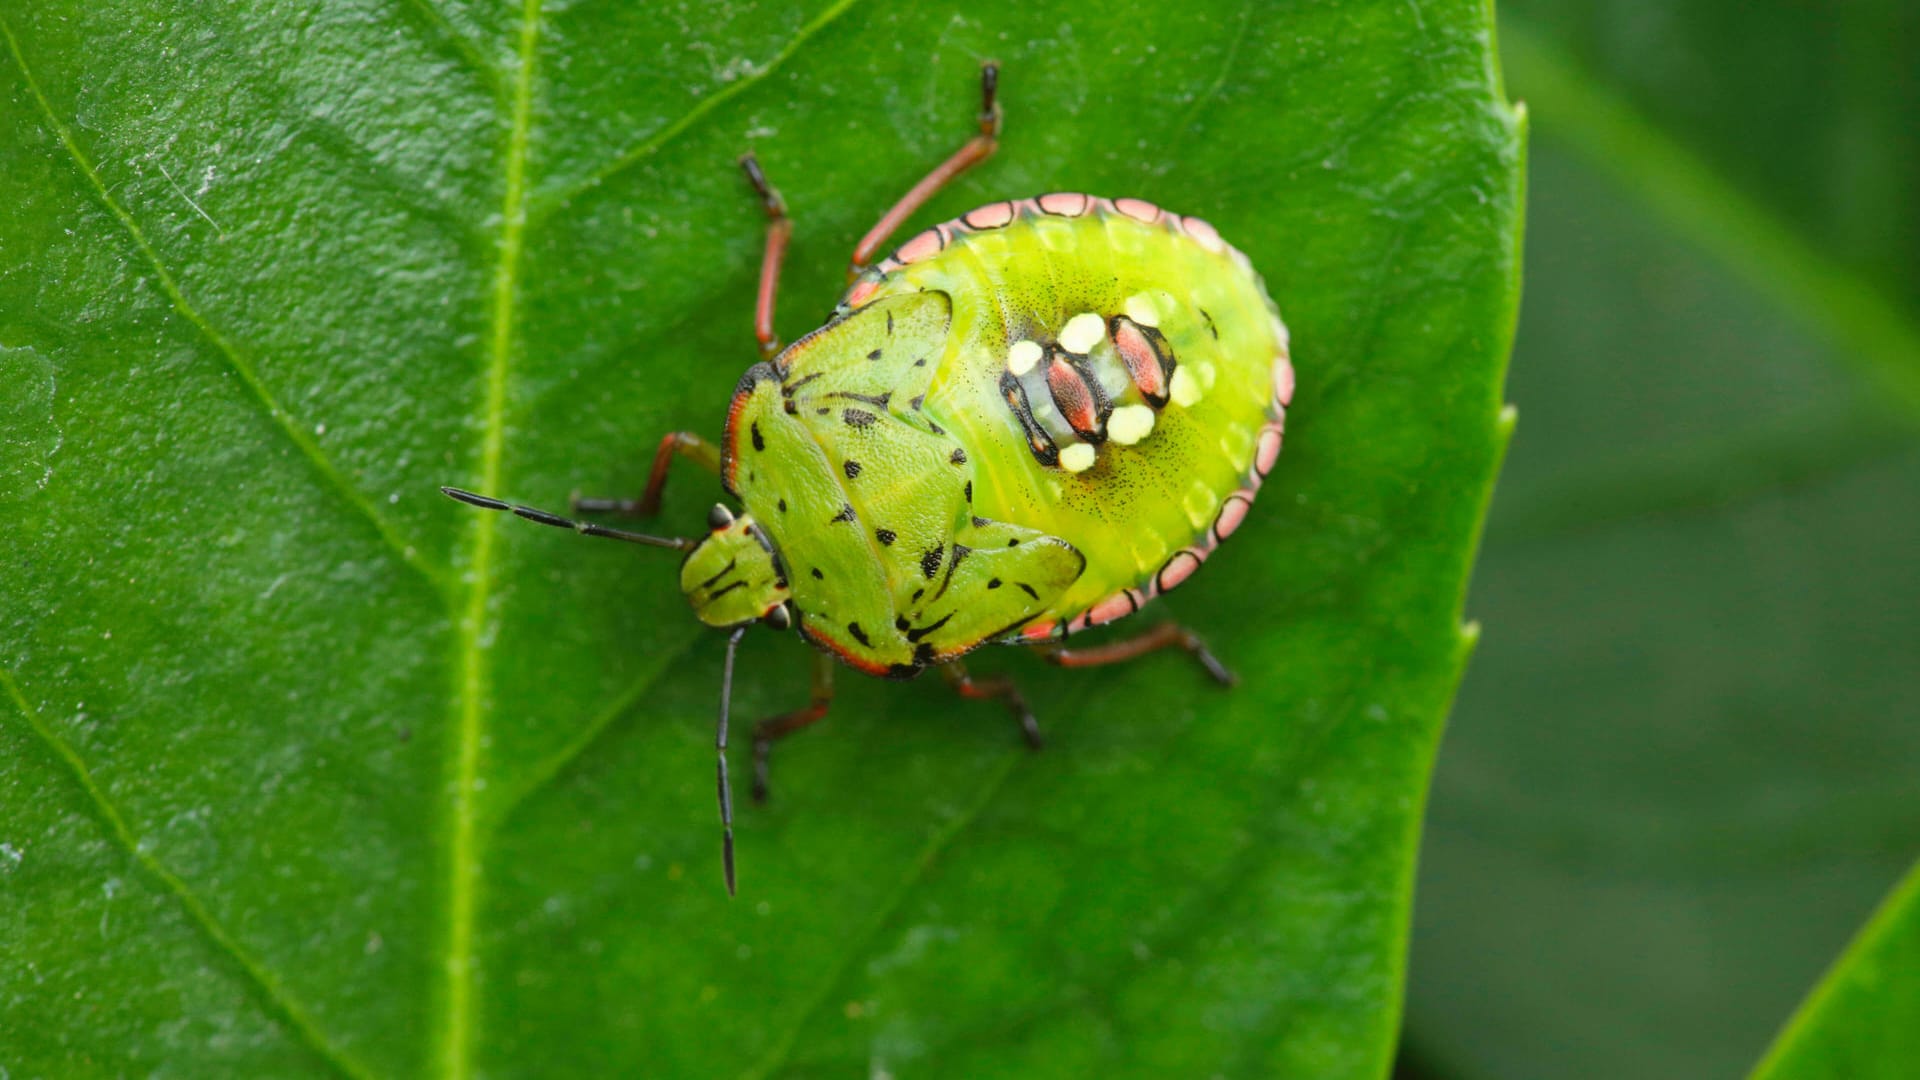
(1024,423)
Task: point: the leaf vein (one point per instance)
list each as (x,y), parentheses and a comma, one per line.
(549,203)
(552,767)
(279,1001)
(468,729)
(782,1047)
(296,433)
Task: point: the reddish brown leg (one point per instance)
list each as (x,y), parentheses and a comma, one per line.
(682,443)
(1159,637)
(779,230)
(977,149)
(998,687)
(772,730)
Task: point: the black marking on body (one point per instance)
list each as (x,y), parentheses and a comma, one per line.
(923,654)
(845,514)
(790,408)
(1016,624)
(994,583)
(724,571)
(960,553)
(859,419)
(959,456)
(885,536)
(1028,589)
(1211,329)
(880,400)
(969,491)
(930,562)
(902,671)
(817,575)
(758,442)
(919,632)
(889,323)
(918,400)
(850,467)
(782,504)
(980,522)
(874,355)
(773,553)
(791,388)
(900,623)
(755,375)
(1039,443)
(859,635)
(718,593)
(917,594)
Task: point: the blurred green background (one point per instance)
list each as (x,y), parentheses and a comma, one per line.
(1682,769)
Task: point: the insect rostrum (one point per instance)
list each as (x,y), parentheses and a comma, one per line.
(1024,423)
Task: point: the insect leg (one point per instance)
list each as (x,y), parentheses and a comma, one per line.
(976,150)
(1159,637)
(779,229)
(773,729)
(999,687)
(683,443)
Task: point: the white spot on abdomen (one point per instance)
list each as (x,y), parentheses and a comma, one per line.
(1077,458)
(1082,332)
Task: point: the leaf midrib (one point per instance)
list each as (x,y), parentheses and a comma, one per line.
(461,825)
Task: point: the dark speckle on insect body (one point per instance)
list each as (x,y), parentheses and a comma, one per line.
(980,522)
(782,504)
(885,536)
(858,418)
(1015,542)
(758,442)
(817,575)
(917,594)
(900,623)
(874,355)
(845,514)
(930,562)
(1028,589)
(850,467)
(923,654)
(859,635)
(959,456)
(822,411)
(994,583)
(969,491)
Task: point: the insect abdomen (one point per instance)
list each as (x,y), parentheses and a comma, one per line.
(1117,374)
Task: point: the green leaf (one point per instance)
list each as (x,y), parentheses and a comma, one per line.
(306,769)
(1863,1020)
(1681,769)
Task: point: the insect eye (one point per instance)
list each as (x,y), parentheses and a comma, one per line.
(719,517)
(779,618)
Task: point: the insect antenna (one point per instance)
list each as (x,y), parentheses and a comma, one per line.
(584,528)
(720,751)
